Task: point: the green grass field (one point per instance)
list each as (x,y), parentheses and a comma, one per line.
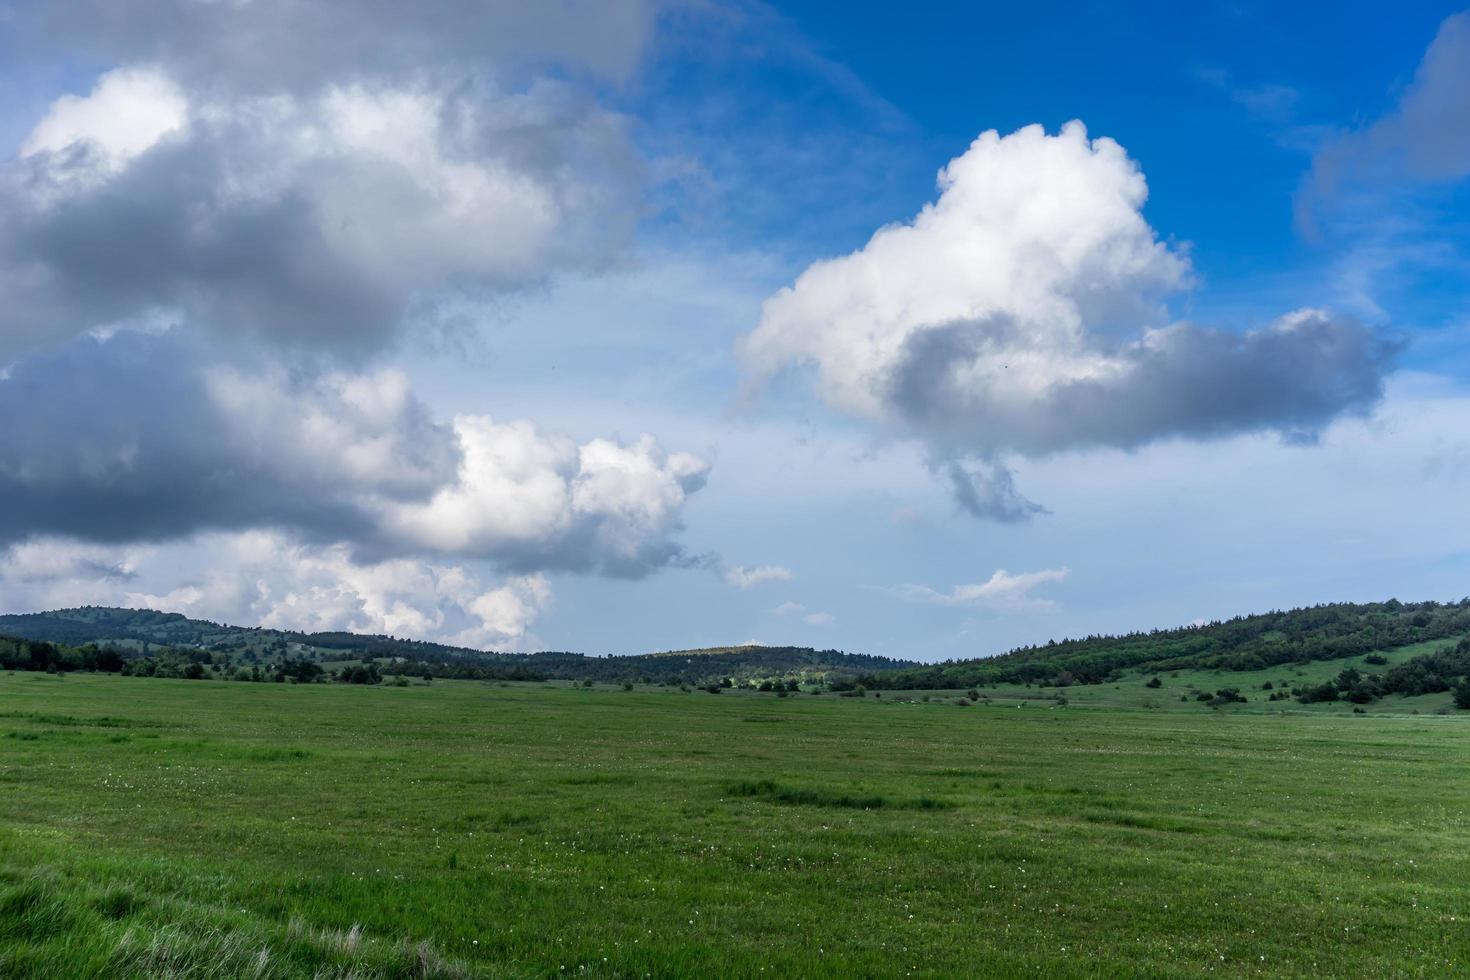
(199,829)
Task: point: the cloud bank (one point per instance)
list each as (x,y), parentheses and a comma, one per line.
(267,579)
(134,439)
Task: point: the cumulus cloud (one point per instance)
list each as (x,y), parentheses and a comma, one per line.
(202,248)
(325,220)
(747,577)
(1424,138)
(133,439)
(528,499)
(1002,591)
(1023,312)
(128,111)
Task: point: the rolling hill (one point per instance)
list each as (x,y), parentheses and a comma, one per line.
(137,633)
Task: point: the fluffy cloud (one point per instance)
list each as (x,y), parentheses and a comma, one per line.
(526,499)
(127,112)
(1002,591)
(748,577)
(131,439)
(324,220)
(1023,312)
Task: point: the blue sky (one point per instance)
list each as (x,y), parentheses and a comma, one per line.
(638,326)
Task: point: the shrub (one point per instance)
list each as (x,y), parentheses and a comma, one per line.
(1462,694)
(1154,682)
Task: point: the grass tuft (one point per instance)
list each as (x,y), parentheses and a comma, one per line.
(773,792)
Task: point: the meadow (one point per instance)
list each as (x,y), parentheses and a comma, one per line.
(153,827)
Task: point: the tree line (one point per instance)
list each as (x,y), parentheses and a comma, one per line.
(1325,632)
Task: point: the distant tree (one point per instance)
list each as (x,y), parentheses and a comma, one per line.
(1462,693)
(1322,692)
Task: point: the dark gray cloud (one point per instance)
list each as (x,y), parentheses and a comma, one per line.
(1292,377)
(987,489)
(297,44)
(125,441)
(145,439)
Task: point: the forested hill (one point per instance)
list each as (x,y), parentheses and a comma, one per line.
(154,642)
(1326,632)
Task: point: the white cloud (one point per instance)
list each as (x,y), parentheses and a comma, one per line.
(748,577)
(128,111)
(819,619)
(1002,591)
(1023,312)
(1044,229)
(525,498)
(789,609)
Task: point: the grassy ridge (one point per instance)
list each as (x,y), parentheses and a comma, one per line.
(206,828)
